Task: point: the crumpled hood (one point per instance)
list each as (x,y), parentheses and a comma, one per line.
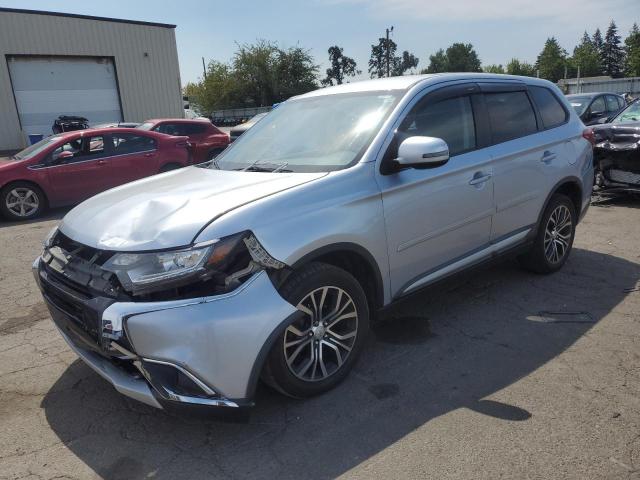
(168,210)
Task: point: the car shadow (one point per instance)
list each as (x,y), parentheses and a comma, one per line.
(446,349)
(52,214)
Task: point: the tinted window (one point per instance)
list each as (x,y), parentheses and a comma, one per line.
(124,143)
(83,148)
(612,104)
(549,106)
(598,106)
(511,115)
(450,120)
(181,129)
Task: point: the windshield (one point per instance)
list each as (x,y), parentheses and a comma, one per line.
(317,134)
(629,114)
(36,148)
(579,104)
(145,126)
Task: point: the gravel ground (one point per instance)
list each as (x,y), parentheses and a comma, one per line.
(500,374)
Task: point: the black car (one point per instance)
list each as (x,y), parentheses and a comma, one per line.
(594,108)
(617,152)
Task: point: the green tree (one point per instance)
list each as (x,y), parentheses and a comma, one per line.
(586,56)
(597,41)
(632,48)
(552,60)
(516,67)
(437,63)
(259,74)
(398,65)
(341,67)
(612,53)
(493,68)
(459,57)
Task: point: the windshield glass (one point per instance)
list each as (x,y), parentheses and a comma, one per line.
(579,104)
(36,148)
(629,114)
(317,134)
(145,126)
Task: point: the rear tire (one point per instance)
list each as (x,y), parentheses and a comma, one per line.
(554,240)
(22,201)
(317,351)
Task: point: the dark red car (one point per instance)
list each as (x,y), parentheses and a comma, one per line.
(206,140)
(69,167)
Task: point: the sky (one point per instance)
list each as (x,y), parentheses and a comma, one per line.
(498,29)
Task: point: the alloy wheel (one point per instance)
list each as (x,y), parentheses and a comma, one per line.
(22,202)
(318,344)
(557,235)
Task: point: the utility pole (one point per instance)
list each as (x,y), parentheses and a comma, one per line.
(387,49)
(578,81)
(204,69)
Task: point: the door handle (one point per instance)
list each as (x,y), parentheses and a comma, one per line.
(548,157)
(101,162)
(479,178)
(149,154)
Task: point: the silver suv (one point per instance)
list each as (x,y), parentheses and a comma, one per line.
(270,261)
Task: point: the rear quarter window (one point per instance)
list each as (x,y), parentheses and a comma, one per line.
(551,110)
(511,115)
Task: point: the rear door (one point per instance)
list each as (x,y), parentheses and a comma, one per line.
(527,151)
(83,175)
(132,156)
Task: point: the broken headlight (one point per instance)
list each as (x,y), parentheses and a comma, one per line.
(142,273)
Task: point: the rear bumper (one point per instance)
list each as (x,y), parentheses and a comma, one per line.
(149,351)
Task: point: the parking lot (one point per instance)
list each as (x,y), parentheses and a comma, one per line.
(500,374)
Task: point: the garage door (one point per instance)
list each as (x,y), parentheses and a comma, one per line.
(47,87)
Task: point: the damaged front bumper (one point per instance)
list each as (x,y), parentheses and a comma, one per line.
(205,350)
(617,158)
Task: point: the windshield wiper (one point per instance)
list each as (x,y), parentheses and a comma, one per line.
(257,166)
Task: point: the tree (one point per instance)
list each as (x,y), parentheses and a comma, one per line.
(597,41)
(632,50)
(493,68)
(341,67)
(552,60)
(459,57)
(586,57)
(259,74)
(398,65)
(462,57)
(612,53)
(437,63)
(516,67)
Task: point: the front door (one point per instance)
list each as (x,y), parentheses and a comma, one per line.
(84,174)
(438,216)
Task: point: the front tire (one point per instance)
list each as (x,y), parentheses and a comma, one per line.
(22,201)
(316,351)
(554,240)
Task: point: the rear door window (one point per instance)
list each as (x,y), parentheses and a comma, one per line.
(511,115)
(126,143)
(450,120)
(551,110)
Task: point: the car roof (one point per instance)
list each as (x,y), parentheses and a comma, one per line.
(591,94)
(405,82)
(179,120)
(106,130)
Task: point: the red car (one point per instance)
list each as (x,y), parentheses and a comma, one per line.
(69,167)
(206,140)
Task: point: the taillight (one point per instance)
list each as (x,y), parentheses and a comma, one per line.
(589,135)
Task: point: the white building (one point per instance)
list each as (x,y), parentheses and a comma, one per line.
(104,69)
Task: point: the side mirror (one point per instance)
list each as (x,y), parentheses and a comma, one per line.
(425,152)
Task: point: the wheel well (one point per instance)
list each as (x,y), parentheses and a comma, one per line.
(574,192)
(29,182)
(170,166)
(358,265)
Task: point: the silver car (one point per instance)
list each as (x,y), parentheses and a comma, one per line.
(270,261)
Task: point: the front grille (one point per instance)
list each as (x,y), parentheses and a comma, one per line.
(89,254)
(623,176)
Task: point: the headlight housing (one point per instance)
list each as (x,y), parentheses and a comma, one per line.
(142,273)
